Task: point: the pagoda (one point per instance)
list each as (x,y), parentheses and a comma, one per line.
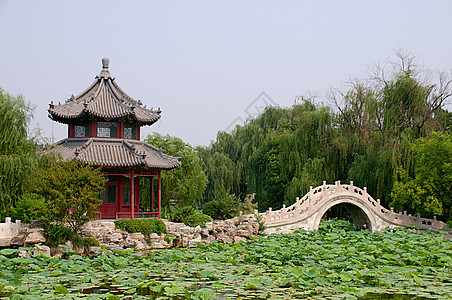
(104,130)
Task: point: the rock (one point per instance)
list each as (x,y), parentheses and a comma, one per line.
(114,237)
(23,253)
(238,239)
(141,245)
(204,233)
(69,244)
(137,236)
(225,239)
(5,242)
(38,223)
(154,238)
(35,236)
(41,250)
(56,252)
(244,233)
(94,251)
(79,250)
(185,240)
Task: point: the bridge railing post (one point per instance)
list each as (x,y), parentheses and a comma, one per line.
(283,212)
(311,193)
(324,190)
(365,193)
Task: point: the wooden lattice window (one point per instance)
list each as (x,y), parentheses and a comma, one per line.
(107,129)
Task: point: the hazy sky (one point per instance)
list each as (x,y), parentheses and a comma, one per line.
(205,62)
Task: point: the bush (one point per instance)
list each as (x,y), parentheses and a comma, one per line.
(221,208)
(71,189)
(145,226)
(181,213)
(57,234)
(30,207)
(196,219)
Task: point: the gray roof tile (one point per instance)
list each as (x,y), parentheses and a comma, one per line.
(103,99)
(114,153)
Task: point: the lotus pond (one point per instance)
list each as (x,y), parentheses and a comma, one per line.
(331,263)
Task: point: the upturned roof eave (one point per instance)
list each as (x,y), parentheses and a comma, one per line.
(72,118)
(121,103)
(129,156)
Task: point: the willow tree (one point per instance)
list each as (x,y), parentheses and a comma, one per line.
(379,117)
(18,151)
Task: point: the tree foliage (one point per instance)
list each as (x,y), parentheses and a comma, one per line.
(71,190)
(18,151)
(428,189)
(365,136)
(187,182)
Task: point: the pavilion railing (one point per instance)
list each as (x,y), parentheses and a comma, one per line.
(137,215)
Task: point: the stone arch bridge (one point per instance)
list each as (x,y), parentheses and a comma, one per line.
(307,212)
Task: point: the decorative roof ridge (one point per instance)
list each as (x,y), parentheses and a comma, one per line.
(160,150)
(134,150)
(83,147)
(105,73)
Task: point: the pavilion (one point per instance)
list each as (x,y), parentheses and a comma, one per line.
(104,130)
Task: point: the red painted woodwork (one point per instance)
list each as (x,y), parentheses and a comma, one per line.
(108,210)
(71,130)
(132,192)
(92,128)
(132,210)
(138,132)
(160,196)
(121,130)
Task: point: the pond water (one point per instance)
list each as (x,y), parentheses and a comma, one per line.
(374,296)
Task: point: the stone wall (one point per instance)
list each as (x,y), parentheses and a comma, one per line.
(178,235)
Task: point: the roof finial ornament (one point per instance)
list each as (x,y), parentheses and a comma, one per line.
(105,62)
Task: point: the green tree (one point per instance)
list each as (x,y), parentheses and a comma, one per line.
(18,150)
(428,189)
(364,138)
(187,182)
(70,188)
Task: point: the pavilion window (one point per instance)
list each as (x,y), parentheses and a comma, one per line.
(111,193)
(81,130)
(130,131)
(103,195)
(107,129)
(126,191)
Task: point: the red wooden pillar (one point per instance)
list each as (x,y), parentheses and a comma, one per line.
(132,193)
(151,182)
(160,196)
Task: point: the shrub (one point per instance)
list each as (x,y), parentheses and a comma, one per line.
(30,207)
(71,189)
(85,243)
(181,213)
(196,219)
(247,206)
(222,208)
(57,234)
(145,226)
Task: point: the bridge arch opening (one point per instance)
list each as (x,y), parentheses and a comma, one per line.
(350,212)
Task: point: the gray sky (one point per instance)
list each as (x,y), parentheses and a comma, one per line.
(205,62)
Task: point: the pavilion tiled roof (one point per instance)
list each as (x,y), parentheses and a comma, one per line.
(114,153)
(103,99)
